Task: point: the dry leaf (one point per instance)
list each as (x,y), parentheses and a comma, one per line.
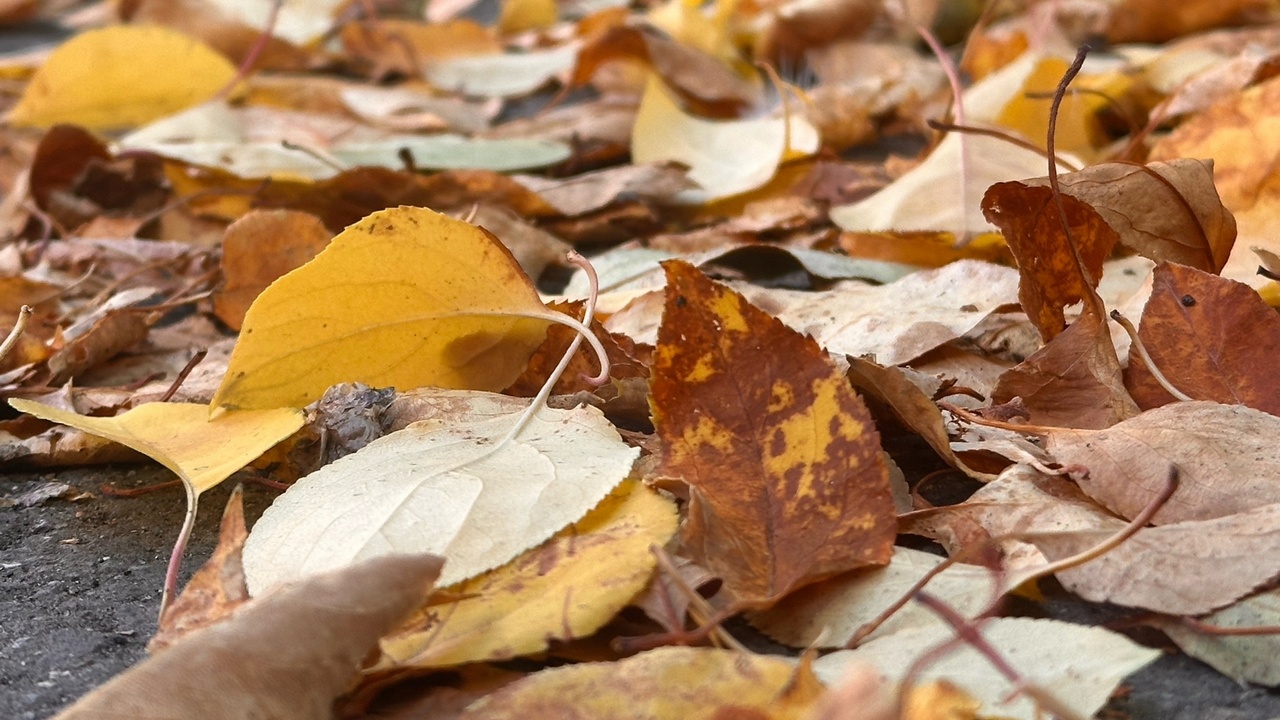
(1227,455)
(1079,666)
(787,482)
(285,656)
(670,682)
(404,298)
(461,487)
(1212,338)
(121,77)
(1243,658)
(565,589)
(257,249)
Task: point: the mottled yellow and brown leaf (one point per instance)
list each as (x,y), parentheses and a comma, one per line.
(787,481)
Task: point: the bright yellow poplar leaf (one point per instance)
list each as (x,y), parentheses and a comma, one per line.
(121,77)
(182,437)
(564,589)
(1078,130)
(405,298)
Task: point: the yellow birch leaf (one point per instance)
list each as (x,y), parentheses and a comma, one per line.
(565,589)
(121,77)
(521,15)
(671,682)
(405,298)
(182,437)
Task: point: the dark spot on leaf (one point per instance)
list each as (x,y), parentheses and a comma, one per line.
(680,301)
(1188,301)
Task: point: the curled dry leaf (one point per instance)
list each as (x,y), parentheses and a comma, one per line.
(1079,666)
(216,589)
(1049,260)
(1212,338)
(286,656)
(787,482)
(153,71)
(406,298)
(670,682)
(564,589)
(1228,456)
(463,488)
(1074,380)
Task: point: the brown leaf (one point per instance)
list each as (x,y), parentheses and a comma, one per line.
(286,655)
(1073,381)
(257,249)
(618,347)
(1212,338)
(788,483)
(1051,277)
(1228,456)
(1163,211)
(216,589)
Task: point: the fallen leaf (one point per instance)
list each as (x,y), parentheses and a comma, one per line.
(215,590)
(259,248)
(285,656)
(405,298)
(1243,658)
(1212,338)
(502,75)
(462,487)
(1226,455)
(121,77)
(1074,380)
(203,451)
(787,482)
(1058,266)
(726,157)
(829,613)
(1078,666)
(670,682)
(565,589)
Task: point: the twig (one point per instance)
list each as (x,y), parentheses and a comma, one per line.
(1146,358)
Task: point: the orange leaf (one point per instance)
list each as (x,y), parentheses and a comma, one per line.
(788,483)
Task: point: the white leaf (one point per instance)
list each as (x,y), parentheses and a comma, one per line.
(1079,666)
(455,490)
(833,610)
(502,75)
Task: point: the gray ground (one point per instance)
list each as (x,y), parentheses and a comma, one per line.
(80,587)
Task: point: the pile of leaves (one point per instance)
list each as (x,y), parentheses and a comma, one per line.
(711,471)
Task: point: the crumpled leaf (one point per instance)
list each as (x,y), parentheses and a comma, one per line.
(203,451)
(121,76)
(1079,666)
(286,656)
(455,487)
(564,589)
(670,682)
(787,481)
(1227,455)
(829,613)
(1212,338)
(407,297)
(726,157)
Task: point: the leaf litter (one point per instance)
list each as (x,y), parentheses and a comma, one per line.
(339,190)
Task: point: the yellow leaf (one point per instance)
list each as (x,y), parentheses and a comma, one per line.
(724,157)
(565,589)
(182,437)
(405,298)
(521,15)
(670,682)
(1078,130)
(120,77)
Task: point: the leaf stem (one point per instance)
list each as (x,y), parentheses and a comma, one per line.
(19,327)
(1146,358)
